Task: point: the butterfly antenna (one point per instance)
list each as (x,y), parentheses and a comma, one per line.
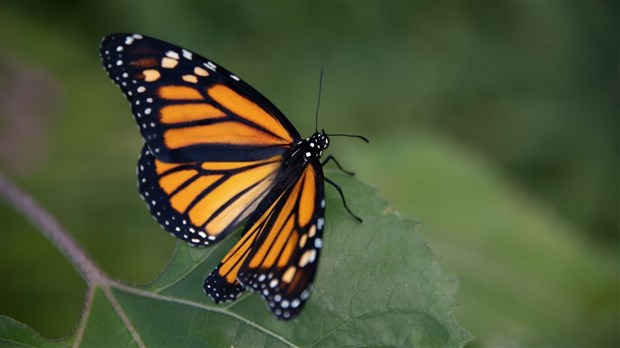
(316,116)
(349,135)
(318,103)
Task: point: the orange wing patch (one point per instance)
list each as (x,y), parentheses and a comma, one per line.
(239,209)
(227,132)
(307,200)
(180,113)
(248,110)
(179,93)
(171,182)
(182,199)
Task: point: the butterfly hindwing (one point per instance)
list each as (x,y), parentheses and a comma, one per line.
(201,203)
(189,109)
(278,254)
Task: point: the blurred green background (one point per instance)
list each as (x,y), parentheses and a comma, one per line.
(494,124)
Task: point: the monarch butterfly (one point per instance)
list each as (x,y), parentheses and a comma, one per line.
(218,153)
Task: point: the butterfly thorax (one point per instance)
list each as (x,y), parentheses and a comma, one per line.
(311,147)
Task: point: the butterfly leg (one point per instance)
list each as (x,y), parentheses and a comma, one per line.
(330,157)
(344,202)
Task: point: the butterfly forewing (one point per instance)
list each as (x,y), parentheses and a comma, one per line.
(213,143)
(188,108)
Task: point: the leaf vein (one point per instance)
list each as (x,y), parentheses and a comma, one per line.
(156,296)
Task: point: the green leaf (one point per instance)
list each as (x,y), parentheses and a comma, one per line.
(526,276)
(378,284)
(16,334)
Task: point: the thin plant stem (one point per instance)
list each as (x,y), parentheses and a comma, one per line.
(49,228)
(94,276)
(60,238)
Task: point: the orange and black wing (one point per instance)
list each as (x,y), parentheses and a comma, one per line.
(190,109)
(213,143)
(202,202)
(278,253)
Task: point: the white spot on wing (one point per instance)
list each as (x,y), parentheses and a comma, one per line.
(210,66)
(318,243)
(312,256)
(172,54)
